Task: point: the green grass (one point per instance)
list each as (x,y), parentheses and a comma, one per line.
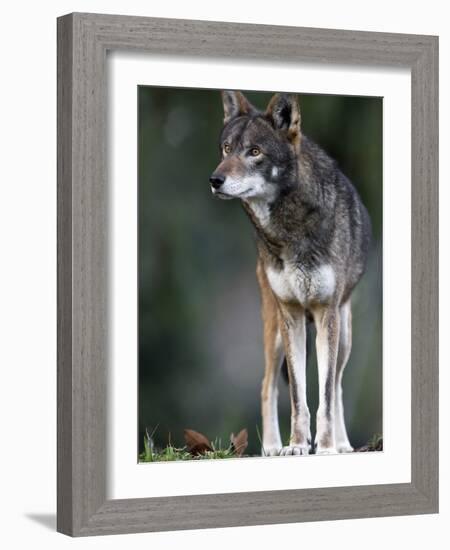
(171,453)
(376,443)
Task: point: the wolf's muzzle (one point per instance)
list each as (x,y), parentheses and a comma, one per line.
(216,180)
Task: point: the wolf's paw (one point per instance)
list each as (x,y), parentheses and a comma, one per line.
(273,450)
(344,448)
(295,450)
(326,450)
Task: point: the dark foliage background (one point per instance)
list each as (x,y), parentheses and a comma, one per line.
(200,335)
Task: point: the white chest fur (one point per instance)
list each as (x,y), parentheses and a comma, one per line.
(292,284)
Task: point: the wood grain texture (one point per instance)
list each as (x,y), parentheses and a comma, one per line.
(64,299)
(83,247)
(83,40)
(424,276)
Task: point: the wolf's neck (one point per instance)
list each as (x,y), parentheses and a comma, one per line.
(287,223)
(259,212)
(260,215)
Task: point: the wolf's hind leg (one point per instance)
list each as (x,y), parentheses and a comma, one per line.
(327,321)
(272,356)
(345,345)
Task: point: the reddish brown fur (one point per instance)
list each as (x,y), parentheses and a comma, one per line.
(269,312)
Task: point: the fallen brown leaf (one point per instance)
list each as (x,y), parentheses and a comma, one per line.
(239,441)
(197,443)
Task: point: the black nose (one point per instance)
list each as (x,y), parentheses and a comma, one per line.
(216,180)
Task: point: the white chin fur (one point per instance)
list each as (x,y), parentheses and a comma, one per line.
(220,195)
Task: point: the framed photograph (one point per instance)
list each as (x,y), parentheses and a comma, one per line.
(247,274)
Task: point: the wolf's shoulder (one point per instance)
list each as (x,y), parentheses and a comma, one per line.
(312,154)
(322,170)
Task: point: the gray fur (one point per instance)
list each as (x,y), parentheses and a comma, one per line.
(310,225)
(318,218)
(316,213)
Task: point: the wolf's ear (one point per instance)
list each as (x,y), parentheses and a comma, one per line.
(284,112)
(235,104)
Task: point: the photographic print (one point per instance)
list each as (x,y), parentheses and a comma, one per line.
(260,274)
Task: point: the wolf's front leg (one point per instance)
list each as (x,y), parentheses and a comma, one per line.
(271,443)
(293,331)
(327,341)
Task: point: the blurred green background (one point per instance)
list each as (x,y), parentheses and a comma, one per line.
(200,332)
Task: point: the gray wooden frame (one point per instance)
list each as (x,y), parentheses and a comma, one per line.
(83,40)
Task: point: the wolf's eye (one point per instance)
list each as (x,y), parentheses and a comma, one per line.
(227,148)
(255,151)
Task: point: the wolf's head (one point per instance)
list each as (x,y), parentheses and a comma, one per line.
(259,149)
